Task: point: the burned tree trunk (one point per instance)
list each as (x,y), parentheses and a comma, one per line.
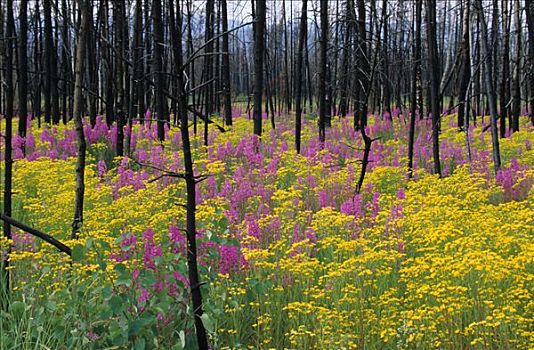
(287,81)
(8,160)
(23,68)
(259,47)
(65,64)
(78,118)
(192,263)
(157,63)
(303,32)
(107,57)
(138,85)
(529,6)
(465,67)
(516,76)
(345,59)
(37,80)
(490,89)
(321,92)
(227,97)
(190,50)
(385,58)
(433,64)
(505,76)
(50,62)
(208,66)
(118,19)
(416,74)
(92,67)
(365,81)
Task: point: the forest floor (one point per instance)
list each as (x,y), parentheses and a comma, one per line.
(290,256)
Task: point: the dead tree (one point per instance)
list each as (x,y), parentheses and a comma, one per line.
(37,78)
(303,32)
(490,89)
(66,58)
(50,86)
(227,96)
(107,56)
(529,6)
(191,180)
(504,93)
(78,118)
(138,85)
(433,64)
(345,60)
(465,65)
(208,66)
(259,47)
(92,67)
(366,77)
(157,63)
(120,72)
(23,68)
(8,160)
(415,75)
(516,75)
(287,80)
(321,91)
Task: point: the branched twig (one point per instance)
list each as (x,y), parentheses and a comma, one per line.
(169,173)
(351,147)
(194,55)
(355,161)
(204,118)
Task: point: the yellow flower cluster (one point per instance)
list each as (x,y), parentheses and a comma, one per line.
(453,269)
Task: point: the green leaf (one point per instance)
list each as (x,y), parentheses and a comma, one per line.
(51,306)
(120,268)
(17,308)
(124,279)
(78,253)
(182,338)
(119,340)
(116,304)
(140,344)
(106,292)
(134,327)
(89,243)
(102,265)
(104,245)
(147,278)
(209,234)
(208,322)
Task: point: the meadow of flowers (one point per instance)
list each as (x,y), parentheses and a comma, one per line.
(290,256)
